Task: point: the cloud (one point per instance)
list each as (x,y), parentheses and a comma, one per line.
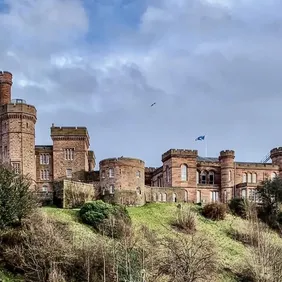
(213,67)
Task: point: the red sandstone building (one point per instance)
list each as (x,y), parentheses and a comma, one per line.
(183,176)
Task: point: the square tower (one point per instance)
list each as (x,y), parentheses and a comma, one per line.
(70,152)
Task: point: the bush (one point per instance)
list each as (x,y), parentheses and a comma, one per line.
(238,207)
(110,220)
(185,220)
(17,200)
(214,211)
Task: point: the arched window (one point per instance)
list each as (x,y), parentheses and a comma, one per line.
(254,178)
(184,172)
(185,196)
(273,175)
(249,180)
(138,174)
(174,198)
(203,177)
(211,177)
(160,197)
(244,177)
(164,197)
(111,172)
(154,197)
(167,174)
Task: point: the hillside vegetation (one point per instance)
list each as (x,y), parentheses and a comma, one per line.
(232,254)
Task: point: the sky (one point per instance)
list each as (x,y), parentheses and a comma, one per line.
(213,67)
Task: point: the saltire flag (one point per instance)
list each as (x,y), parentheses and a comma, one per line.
(200,138)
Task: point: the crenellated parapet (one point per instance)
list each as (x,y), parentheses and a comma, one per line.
(276,152)
(227,154)
(179,153)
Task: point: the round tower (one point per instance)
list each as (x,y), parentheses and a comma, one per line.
(226,159)
(276,157)
(6,81)
(124,178)
(17,128)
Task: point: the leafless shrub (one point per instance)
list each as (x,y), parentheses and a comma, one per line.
(188,259)
(185,220)
(33,248)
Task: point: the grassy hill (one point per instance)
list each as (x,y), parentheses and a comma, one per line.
(233,255)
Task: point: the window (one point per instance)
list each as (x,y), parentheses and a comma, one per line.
(69,154)
(45,188)
(184,172)
(112,189)
(5,153)
(185,196)
(167,174)
(199,196)
(244,177)
(138,174)
(249,180)
(164,197)
(211,177)
(69,173)
(111,172)
(103,174)
(214,196)
(254,178)
(273,175)
(174,197)
(198,177)
(252,195)
(138,191)
(44,174)
(229,175)
(44,158)
(154,197)
(203,177)
(16,167)
(160,197)
(243,193)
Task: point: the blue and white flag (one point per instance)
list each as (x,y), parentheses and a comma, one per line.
(200,138)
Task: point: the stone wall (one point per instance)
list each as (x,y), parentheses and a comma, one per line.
(73,194)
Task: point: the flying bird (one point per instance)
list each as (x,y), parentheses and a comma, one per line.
(153,104)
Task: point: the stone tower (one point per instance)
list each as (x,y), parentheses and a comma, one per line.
(276,157)
(226,159)
(70,152)
(17,130)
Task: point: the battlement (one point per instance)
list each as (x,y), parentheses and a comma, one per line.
(6,77)
(122,161)
(276,152)
(19,106)
(69,131)
(227,154)
(150,169)
(179,153)
(91,155)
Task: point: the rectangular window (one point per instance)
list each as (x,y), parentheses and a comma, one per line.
(16,167)
(44,174)
(111,172)
(112,189)
(5,153)
(69,154)
(69,173)
(44,159)
(214,196)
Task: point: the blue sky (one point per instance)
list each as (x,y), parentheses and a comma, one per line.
(212,66)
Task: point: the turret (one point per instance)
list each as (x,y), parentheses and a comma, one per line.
(226,159)
(6,81)
(276,157)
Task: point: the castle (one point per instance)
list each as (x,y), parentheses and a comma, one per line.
(184,176)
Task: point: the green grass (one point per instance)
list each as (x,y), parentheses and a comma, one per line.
(158,216)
